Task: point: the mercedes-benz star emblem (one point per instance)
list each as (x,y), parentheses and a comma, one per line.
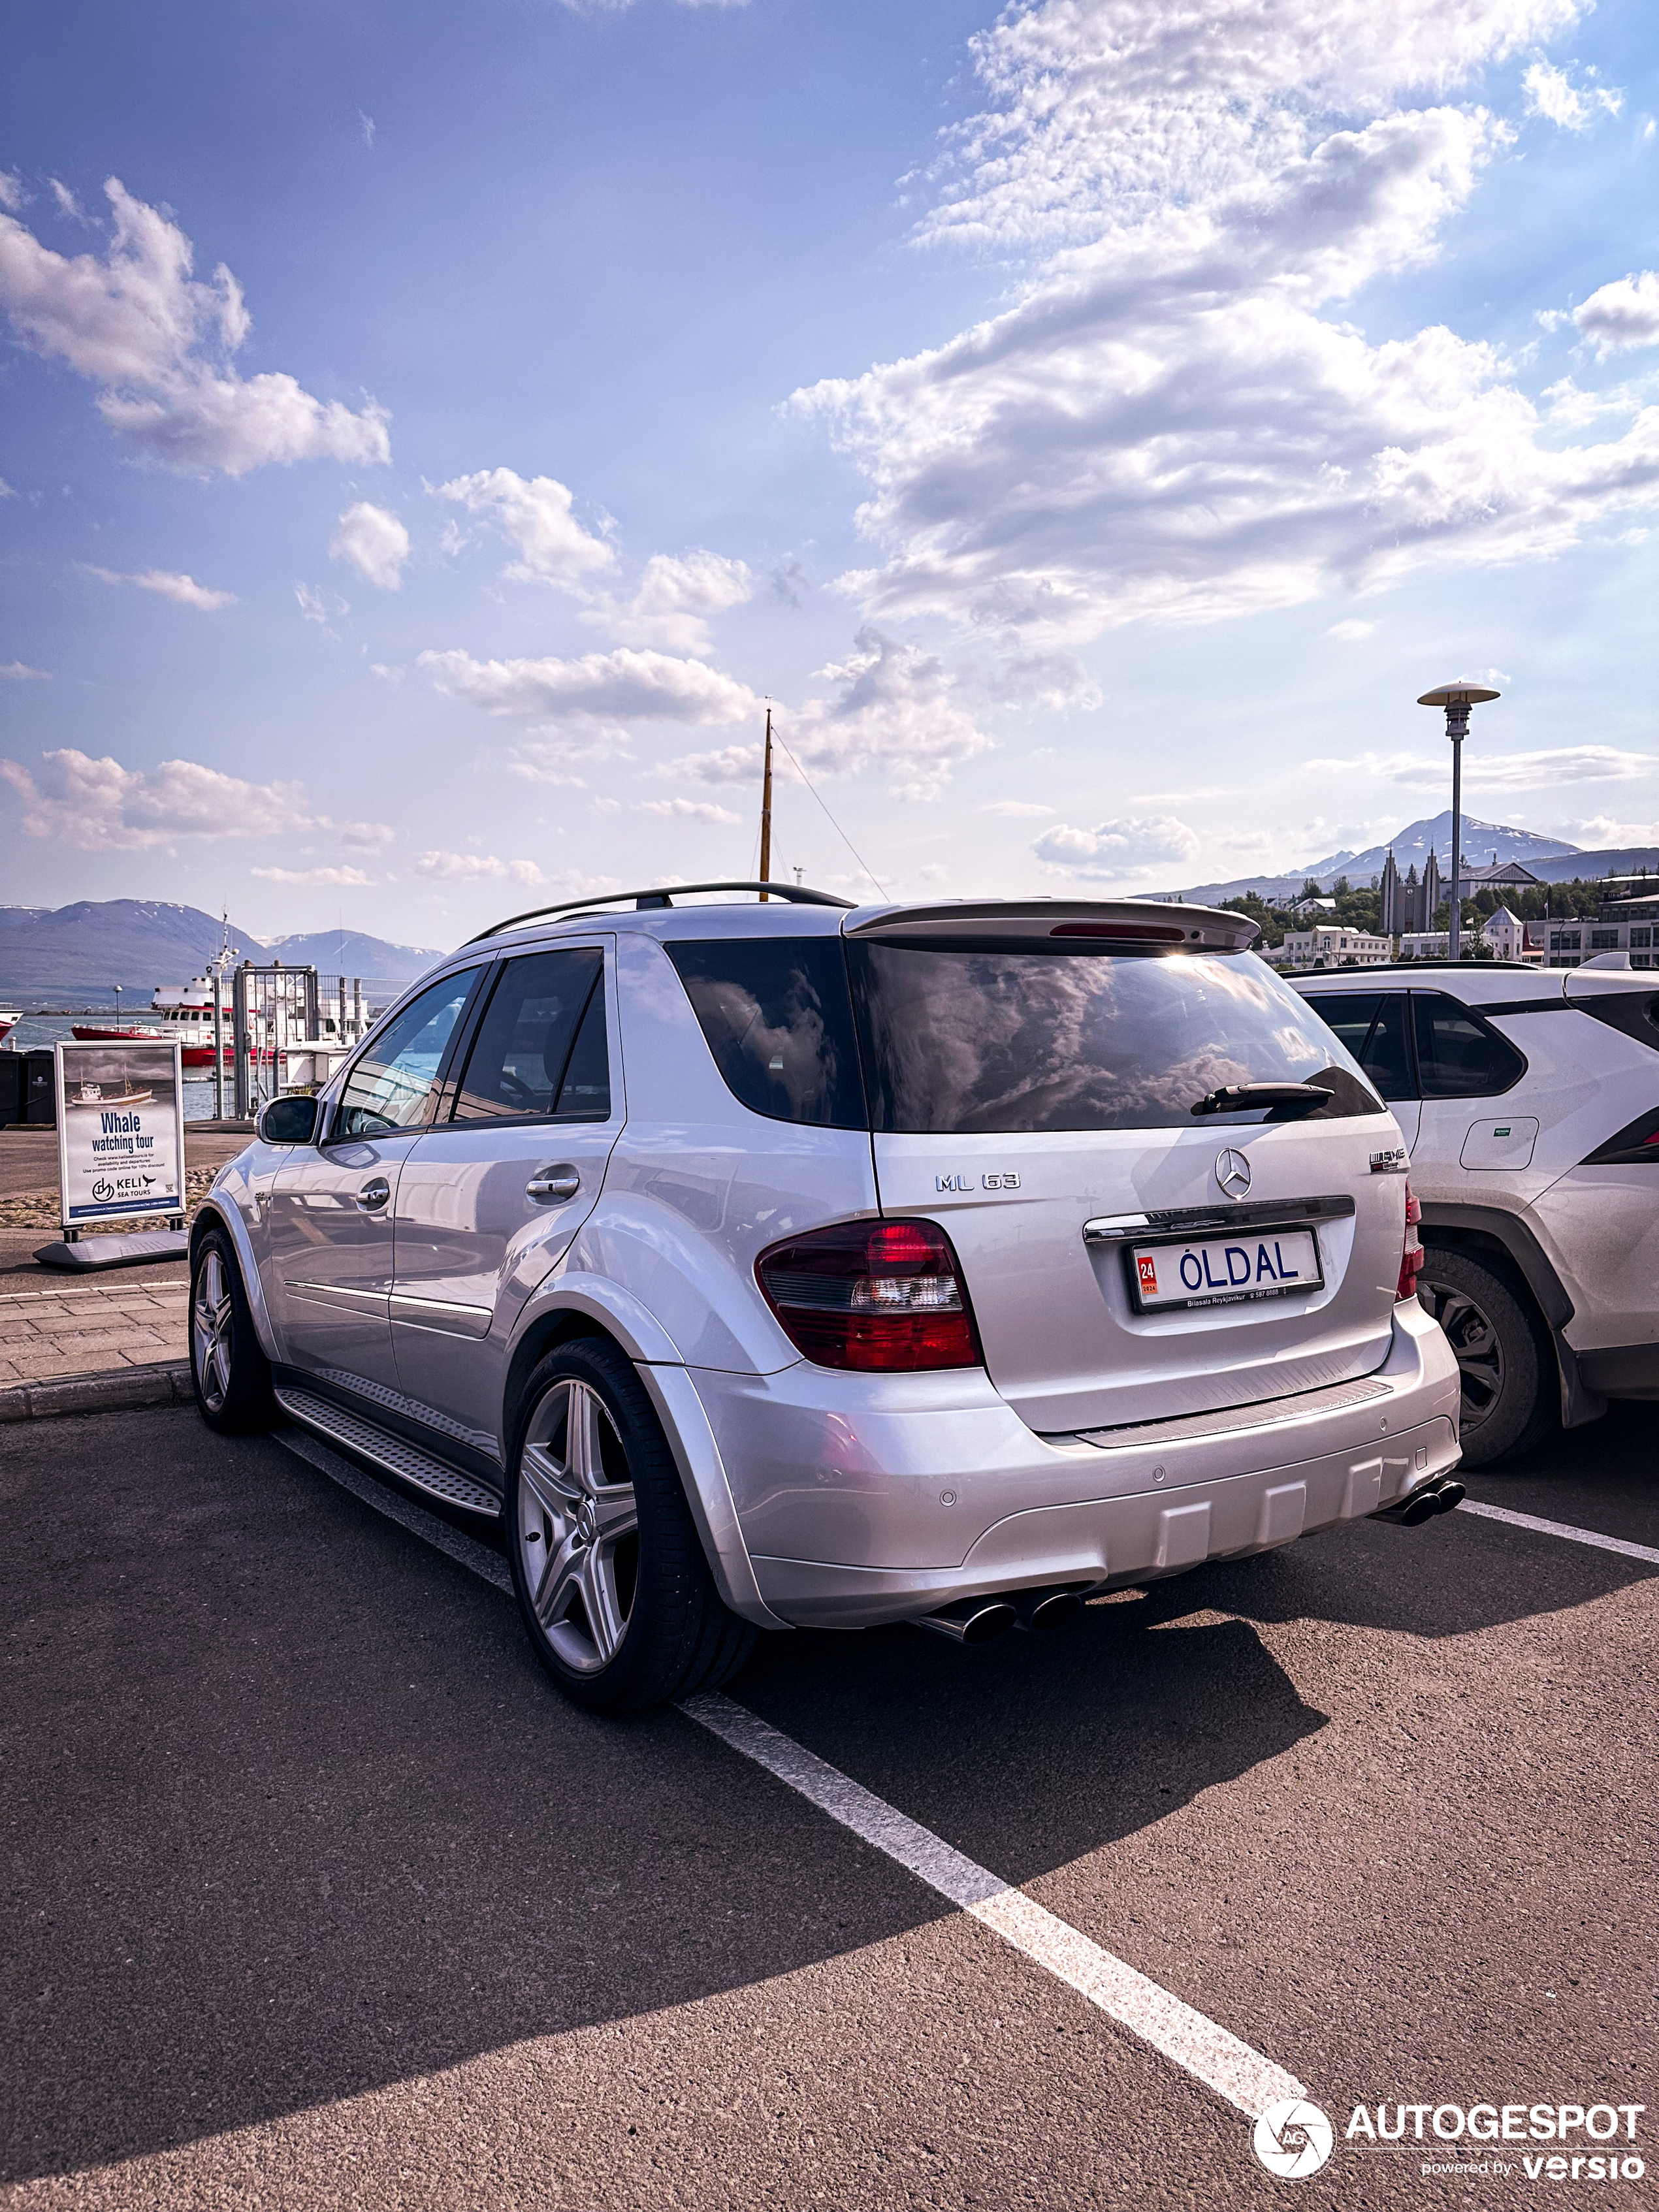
(1232,1172)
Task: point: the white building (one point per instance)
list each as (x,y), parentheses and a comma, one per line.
(1330,946)
(1511,939)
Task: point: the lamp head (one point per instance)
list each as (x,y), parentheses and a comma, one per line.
(1461,693)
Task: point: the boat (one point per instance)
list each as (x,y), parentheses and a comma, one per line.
(9,1020)
(108,1096)
(183,1012)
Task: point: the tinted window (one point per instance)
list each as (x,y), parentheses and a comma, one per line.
(1457,1055)
(524,1061)
(775,1013)
(1373,1028)
(1011,1040)
(392,1084)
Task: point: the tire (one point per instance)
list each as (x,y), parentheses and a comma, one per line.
(1509,1397)
(614,1592)
(229,1373)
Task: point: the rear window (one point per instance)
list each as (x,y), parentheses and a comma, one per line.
(1372,1027)
(776,1016)
(1008,1040)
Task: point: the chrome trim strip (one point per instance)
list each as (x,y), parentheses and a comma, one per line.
(1201,1220)
(343,1291)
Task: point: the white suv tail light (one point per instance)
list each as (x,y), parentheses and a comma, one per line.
(1411,1257)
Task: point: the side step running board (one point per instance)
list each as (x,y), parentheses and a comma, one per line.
(392,1455)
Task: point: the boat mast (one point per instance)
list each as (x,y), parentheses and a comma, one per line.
(766,810)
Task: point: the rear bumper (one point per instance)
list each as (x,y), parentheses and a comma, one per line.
(874,1510)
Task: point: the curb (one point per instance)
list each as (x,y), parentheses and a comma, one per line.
(119,1391)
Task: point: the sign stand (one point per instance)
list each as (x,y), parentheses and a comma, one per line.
(120,1152)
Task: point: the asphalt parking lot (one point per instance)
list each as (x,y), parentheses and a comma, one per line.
(318,1894)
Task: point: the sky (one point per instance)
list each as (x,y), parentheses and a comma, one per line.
(430,437)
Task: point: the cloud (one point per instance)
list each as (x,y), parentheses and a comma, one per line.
(674,600)
(690,810)
(161,344)
(899,709)
(341,879)
(610,687)
(1017,810)
(477,867)
(1533,771)
(534,515)
(730,764)
(1112,849)
(13,196)
(18,671)
(1550,92)
(183,590)
(98,805)
(375,542)
(1621,314)
(1601,829)
(1350,633)
(366,124)
(387,673)
(67,204)
(317,605)
(1174,422)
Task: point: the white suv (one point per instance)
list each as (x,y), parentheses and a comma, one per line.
(772,1263)
(1527,1099)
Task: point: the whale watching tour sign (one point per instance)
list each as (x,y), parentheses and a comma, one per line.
(120,1131)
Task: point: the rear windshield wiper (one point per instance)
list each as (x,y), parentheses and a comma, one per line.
(1288,1098)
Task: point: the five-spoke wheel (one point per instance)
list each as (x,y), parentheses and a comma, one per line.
(613,1586)
(230,1373)
(578,1526)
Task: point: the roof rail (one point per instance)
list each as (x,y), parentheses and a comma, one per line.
(660,896)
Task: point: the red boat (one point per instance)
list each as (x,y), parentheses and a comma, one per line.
(181,1010)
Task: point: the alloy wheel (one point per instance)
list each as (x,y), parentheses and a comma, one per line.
(578,1526)
(1476,1344)
(210,1322)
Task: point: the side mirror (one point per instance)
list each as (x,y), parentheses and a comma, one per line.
(289,1122)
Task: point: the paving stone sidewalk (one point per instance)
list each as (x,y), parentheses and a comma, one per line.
(90,1329)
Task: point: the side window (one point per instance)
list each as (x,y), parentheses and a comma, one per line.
(778,1016)
(1373,1025)
(540,1052)
(1458,1056)
(1350,1015)
(393,1084)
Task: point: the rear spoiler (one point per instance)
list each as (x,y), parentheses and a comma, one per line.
(1135,925)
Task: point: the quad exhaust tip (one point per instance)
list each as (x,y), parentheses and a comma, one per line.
(1434,1498)
(979,1619)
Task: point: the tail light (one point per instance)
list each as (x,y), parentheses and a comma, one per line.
(1411,1258)
(885,1296)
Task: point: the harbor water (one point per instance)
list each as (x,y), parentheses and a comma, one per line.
(40,1032)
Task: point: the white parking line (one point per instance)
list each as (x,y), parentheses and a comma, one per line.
(1230,2068)
(1565,1529)
(1197,2044)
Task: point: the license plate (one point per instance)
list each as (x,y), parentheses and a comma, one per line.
(1215,1271)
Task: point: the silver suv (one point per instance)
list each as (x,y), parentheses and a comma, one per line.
(780,1262)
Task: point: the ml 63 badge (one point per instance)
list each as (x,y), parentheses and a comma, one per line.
(1215,1271)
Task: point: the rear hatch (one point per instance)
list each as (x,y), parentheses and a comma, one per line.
(1032,1072)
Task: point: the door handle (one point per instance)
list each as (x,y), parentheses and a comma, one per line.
(373,1195)
(558,1182)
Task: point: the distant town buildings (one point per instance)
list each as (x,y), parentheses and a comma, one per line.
(1328,945)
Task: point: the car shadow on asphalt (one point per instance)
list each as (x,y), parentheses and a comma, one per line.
(295,1814)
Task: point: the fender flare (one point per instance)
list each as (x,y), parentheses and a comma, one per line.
(668,1383)
(1527,1256)
(214,1213)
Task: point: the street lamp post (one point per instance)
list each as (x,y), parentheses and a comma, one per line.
(1457,699)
